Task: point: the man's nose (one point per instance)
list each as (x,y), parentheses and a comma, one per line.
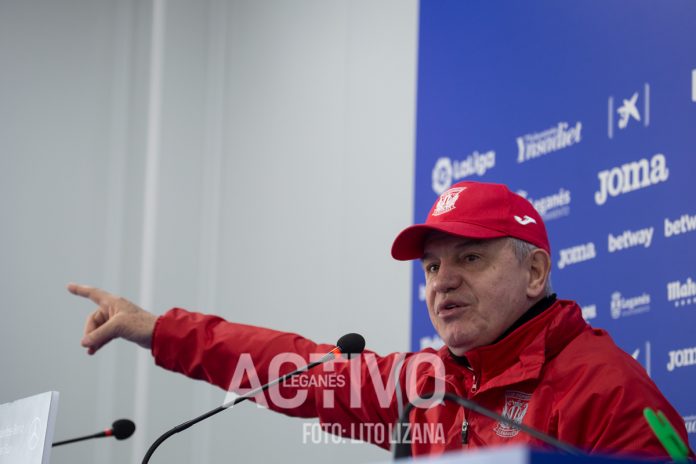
(446,280)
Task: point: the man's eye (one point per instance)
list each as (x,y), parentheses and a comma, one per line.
(471,258)
(431,268)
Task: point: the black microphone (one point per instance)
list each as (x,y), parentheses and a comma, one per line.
(120,430)
(351,343)
(402,448)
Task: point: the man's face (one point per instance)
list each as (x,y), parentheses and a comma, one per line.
(475,289)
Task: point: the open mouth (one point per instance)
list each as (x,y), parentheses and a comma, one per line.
(446,309)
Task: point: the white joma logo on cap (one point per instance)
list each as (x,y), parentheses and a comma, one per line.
(525,220)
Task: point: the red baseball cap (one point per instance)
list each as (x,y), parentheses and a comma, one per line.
(475,210)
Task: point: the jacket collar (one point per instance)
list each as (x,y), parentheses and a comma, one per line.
(521,354)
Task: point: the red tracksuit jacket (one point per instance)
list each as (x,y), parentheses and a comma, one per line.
(554,373)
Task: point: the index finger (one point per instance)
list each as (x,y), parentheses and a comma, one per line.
(97,295)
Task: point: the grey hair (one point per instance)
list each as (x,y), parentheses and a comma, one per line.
(522,250)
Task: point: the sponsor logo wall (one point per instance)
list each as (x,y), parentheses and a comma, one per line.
(595,126)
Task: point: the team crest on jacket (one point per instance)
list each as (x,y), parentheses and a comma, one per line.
(447,201)
(516,404)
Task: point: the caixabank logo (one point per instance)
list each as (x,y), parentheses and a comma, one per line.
(630,177)
(642,355)
(550,207)
(448,171)
(682,292)
(628,111)
(622,306)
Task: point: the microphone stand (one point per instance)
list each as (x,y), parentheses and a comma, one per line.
(181,427)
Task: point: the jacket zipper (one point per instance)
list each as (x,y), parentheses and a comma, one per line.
(474,385)
(465,432)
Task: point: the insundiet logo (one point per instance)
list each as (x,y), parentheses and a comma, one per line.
(534,145)
(630,238)
(551,206)
(446,171)
(631,176)
(682,293)
(623,307)
(679,226)
(684,357)
(576,254)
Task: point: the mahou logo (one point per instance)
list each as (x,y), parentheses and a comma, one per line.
(681,293)
(630,177)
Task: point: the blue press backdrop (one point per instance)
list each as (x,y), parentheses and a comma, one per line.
(589,110)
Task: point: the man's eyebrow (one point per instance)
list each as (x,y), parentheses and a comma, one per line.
(465,243)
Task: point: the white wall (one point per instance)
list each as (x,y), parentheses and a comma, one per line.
(260,173)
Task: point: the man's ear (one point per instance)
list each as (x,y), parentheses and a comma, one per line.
(539,263)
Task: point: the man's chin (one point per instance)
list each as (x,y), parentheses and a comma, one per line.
(457,347)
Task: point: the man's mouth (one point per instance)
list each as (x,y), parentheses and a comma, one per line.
(448,308)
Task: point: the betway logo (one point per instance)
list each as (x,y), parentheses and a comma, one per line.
(446,171)
(677,290)
(682,225)
(532,146)
(576,254)
(551,206)
(681,358)
(630,177)
(630,238)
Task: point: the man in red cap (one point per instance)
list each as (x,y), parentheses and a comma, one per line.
(486,259)
(510,345)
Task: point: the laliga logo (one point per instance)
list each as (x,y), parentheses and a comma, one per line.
(447,171)
(442,175)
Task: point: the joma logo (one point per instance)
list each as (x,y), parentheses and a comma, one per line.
(631,176)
